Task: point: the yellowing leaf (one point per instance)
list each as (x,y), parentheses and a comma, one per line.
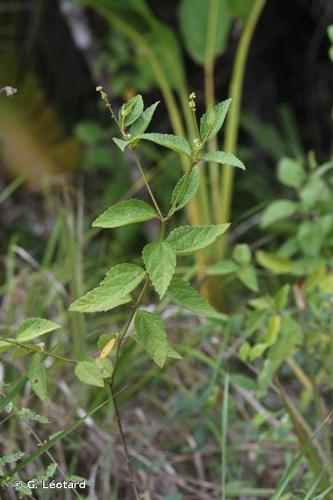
(107,349)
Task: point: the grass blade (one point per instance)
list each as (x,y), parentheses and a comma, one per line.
(12,393)
(224,429)
(293,467)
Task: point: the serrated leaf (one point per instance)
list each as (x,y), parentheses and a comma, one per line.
(188,239)
(247,275)
(151,333)
(278,210)
(37,376)
(141,124)
(223,158)
(89,373)
(113,291)
(186,188)
(34,327)
(196,18)
(105,367)
(125,212)
(171,353)
(291,173)
(120,143)
(212,121)
(131,110)
(183,294)
(242,254)
(274,262)
(160,262)
(222,268)
(173,142)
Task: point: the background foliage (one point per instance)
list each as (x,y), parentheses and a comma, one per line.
(246,412)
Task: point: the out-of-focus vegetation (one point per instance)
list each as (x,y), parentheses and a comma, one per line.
(246,412)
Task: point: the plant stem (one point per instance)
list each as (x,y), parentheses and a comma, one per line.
(39,350)
(111,384)
(232,125)
(124,444)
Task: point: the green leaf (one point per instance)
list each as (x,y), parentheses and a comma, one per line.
(171,353)
(278,210)
(125,212)
(89,373)
(242,254)
(173,142)
(212,121)
(273,329)
(244,351)
(281,297)
(120,143)
(291,173)
(204,26)
(222,267)
(131,110)
(34,327)
(273,262)
(141,124)
(247,275)
(160,262)
(183,294)
(257,350)
(37,376)
(186,188)
(113,291)
(290,336)
(89,132)
(151,332)
(314,192)
(223,158)
(188,239)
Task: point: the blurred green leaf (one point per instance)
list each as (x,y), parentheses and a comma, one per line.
(196,19)
(279,209)
(291,173)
